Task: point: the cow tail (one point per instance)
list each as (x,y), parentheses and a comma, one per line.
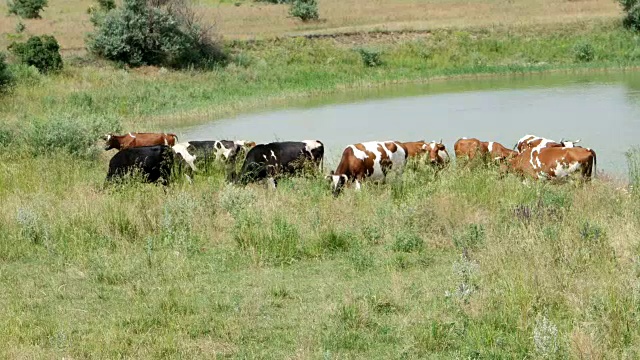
(595,164)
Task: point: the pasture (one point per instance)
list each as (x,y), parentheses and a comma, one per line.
(463,263)
(460,264)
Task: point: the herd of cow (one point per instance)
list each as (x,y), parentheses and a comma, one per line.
(154,155)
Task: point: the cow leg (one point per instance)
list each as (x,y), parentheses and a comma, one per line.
(358,185)
(271,176)
(189,180)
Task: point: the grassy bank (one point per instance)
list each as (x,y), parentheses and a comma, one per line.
(215,271)
(272,71)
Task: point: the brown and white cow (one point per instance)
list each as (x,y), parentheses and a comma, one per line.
(473,147)
(132,140)
(555,162)
(373,160)
(533,141)
(437,151)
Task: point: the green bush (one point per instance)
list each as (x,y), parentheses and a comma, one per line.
(305,10)
(106,5)
(76,136)
(407,241)
(631,9)
(20,27)
(141,34)
(28,9)
(370,57)
(584,52)
(43,52)
(6,78)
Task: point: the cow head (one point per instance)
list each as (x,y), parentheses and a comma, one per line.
(245,144)
(569,144)
(337,182)
(111,142)
(438,154)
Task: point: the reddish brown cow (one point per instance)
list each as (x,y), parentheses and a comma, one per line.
(555,162)
(371,159)
(132,140)
(474,147)
(437,151)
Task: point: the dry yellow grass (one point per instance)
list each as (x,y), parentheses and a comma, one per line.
(69,22)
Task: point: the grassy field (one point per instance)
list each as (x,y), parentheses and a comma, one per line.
(69,22)
(462,264)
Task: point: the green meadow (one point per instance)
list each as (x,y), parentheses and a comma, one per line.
(463,263)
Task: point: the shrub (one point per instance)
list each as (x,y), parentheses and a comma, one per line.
(370,57)
(407,241)
(43,52)
(6,78)
(583,52)
(305,10)
(20,27)
(28,9)
(76,136)
(106,5)
(139,33)
(631,9)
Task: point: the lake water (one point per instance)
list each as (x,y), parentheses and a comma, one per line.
(603,110)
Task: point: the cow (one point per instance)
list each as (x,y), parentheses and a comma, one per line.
(373,160)
(532,141)
(438,154)
(473,147)
(270,161)
(131,140)
(555,162)
(220,149)
(153,162)
(182,152)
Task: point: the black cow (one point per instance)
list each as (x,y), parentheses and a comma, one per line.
(153,162)
(280,158)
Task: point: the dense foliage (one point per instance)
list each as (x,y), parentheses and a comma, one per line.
(370,57)
(28,9)
(107,5)
(43,52)
(631,9)
(305,10)
(6,79)
(140,33)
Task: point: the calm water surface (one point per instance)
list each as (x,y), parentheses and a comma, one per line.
(603,110)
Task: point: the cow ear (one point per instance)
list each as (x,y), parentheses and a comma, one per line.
(332,173)
(440,142)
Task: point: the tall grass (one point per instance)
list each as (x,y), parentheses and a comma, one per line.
(464,264)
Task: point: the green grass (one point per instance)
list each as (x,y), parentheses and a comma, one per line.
(212,269)
(462,264)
